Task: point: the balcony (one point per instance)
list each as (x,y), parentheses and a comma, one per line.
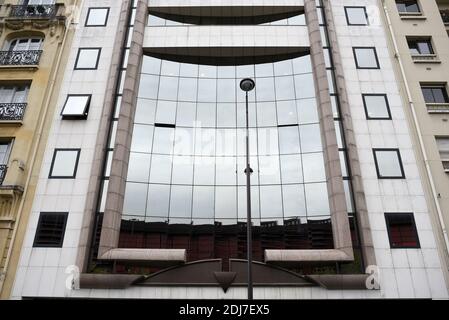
(12,111)
(20,58)
(33,11)
(3,169)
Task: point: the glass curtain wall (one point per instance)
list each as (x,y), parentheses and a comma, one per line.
(186,181)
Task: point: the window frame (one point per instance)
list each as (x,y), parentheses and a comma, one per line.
(366,106)
(354,49)
(96,62)
(419,12)
(38,229)
(15,87)
(444,161)
(75,169)
(80,116)
(428,40)
(9,144)
(9,44)
(97,25)
(435,86)
(356,7)
(401,165)
(410,214)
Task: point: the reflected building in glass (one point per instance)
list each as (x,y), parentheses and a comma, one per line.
(159,188)
(185,186)
(187,159)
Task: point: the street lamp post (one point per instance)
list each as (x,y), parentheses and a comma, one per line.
(248,85)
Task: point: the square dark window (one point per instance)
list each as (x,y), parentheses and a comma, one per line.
(402,231)
(50,229)
(376,106)
(366,58)
(76,106)
(407,6)
(435,93)
(356,16)
(97,17)
(388,164)
(420,46)
(87,58)
(64,164)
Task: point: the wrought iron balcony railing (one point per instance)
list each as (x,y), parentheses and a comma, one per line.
(20,58)
(12,111)
(445,16)
(33,11)
(3,169)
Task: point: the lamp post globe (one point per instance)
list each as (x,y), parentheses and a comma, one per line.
(247,84)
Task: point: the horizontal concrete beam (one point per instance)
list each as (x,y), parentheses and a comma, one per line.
(147,256)
(292,257)
(226,37)
(108,281)
(231,8)
(340,281)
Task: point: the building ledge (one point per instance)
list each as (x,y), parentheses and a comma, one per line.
(412,16)
(156,257)
(425,58)
(298,257)
(437,107)
(20,68)
(340,281)
(6,188)
(11,123)
(108,281)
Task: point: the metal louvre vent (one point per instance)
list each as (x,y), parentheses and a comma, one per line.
(50,229)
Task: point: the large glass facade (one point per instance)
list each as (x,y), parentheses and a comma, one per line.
(185,186)
(187,155)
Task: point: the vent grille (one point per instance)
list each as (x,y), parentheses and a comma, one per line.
(50,229)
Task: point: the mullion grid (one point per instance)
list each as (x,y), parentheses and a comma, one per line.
(238,141)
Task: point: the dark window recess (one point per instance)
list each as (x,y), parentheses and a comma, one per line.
(51,229)
(407,6)
(165,125)
(402,230)
(420,46)
(214,241)
(157,18)
(435,94)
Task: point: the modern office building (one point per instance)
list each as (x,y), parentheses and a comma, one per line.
(32,37)
(142,190)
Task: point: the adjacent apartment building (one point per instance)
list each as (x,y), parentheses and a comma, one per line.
(32,37)
(419,38)
(142,190)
